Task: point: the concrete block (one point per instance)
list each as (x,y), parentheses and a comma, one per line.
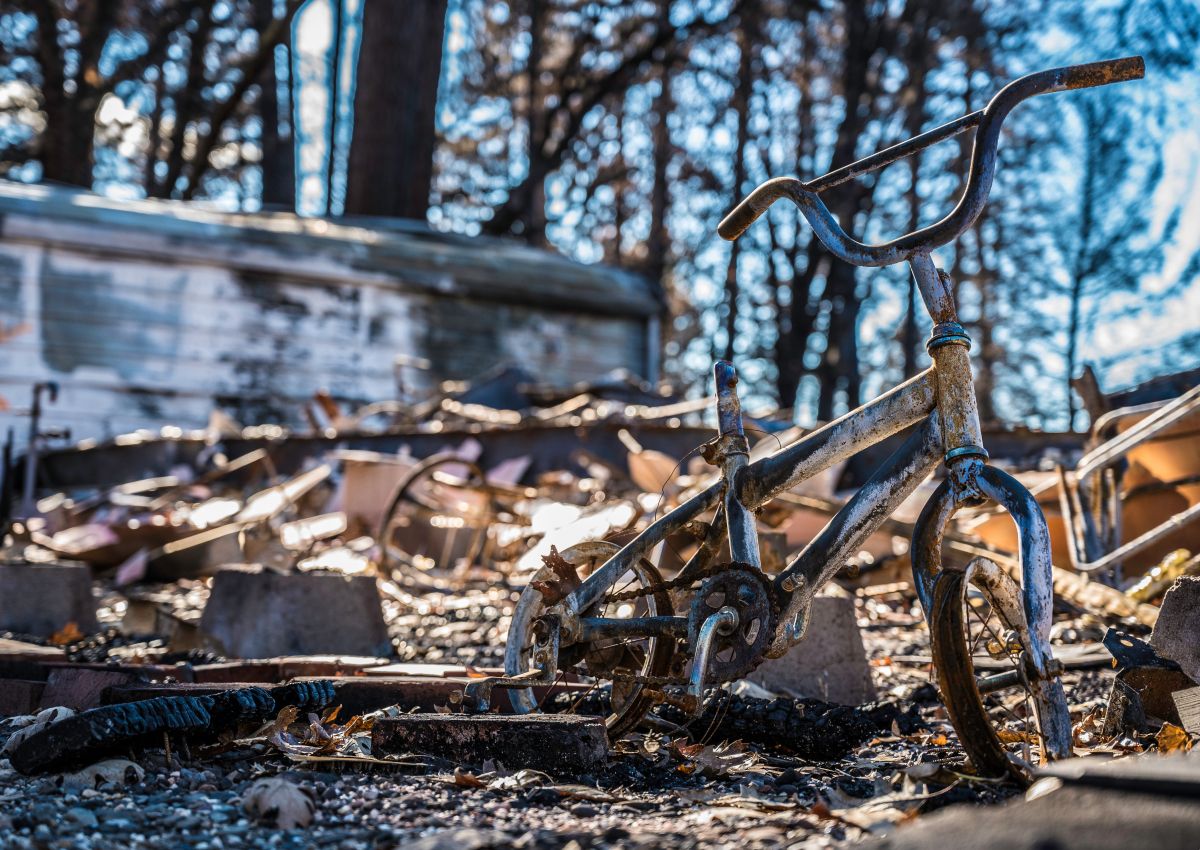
(20,696)
(553,743)
(79,688)
(1187,703)
(1176,634)
(257,614)
(39,599)
(830,663)
(1142,694)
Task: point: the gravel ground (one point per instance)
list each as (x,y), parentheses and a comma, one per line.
(646,798)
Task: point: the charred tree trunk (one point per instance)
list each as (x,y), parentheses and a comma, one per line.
(533,213)
(67,144)
(919,55)
(391,153)
(743,89)
(278,149)
(838,369)
(795,327)
(187,103)
(658,240)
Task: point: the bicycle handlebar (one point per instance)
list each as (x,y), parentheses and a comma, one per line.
(979,180)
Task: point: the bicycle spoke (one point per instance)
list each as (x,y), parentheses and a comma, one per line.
(979,634)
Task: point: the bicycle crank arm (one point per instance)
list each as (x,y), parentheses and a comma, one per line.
(721,623)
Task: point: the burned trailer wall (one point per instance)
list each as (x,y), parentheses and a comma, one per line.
(150,313)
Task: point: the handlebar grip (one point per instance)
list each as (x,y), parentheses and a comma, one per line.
(754,205)
(1103,73)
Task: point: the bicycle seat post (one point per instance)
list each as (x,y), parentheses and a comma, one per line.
(730,451)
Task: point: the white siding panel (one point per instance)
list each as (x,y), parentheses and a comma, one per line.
(142,330)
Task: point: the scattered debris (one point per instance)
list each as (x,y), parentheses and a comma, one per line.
(287,626)
(1176,633)
(557,743)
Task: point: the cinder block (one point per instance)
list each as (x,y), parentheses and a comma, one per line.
(554,743)
(257,614)
(39,599)
(1176,634)
(829,664)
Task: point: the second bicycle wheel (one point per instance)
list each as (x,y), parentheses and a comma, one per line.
(980,644)
(437,521)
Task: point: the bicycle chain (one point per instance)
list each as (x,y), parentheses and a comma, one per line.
(670,584)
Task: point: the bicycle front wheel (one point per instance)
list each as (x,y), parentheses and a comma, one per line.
(1006,717)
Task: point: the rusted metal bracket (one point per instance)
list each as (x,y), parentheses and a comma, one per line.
(547,632)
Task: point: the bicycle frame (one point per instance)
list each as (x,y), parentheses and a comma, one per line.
(909,404)
(938,404)
(745,487)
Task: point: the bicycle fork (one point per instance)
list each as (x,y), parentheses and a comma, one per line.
(970,480)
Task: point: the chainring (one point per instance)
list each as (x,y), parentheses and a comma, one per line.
(746,590)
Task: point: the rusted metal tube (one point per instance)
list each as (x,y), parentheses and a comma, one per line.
(1149,427)
(846,532)
(1133,547)
(1033,546)
(895,153)
(729,409)
(889,414)
(934,287)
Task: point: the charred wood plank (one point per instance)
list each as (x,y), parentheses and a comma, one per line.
(555,743)
(809,728)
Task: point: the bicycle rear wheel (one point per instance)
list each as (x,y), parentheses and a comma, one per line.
(626,663)
(1003,713)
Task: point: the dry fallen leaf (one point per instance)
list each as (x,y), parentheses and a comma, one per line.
(31,724)
(721,760)
(275,800)
(519,781)
(748,797)
(109,772)
(67,634)
(466,779)
(1173,739)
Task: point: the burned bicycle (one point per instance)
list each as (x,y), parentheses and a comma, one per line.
(608,613)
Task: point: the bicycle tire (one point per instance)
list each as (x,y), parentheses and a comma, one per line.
(954,664)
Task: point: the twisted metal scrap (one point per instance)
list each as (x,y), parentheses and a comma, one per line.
(83,738)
